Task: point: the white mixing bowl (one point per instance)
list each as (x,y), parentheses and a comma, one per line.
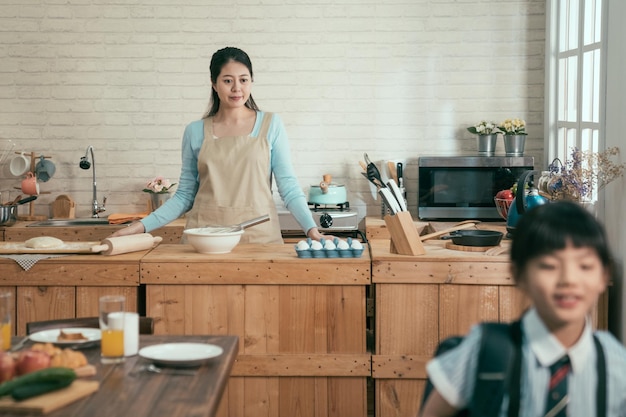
(204,240)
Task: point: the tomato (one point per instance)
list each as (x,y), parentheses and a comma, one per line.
(505,195)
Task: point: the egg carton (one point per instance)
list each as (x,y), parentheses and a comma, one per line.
(324,252)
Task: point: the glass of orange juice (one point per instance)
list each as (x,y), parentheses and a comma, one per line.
(6,311)
(112,328)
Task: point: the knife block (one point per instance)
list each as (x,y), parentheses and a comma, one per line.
(405,240)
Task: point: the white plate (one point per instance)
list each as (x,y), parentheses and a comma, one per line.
(180,354)
(52,336)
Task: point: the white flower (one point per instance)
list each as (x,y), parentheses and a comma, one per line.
(482,128)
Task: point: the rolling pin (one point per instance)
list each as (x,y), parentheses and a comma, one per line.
(125,244)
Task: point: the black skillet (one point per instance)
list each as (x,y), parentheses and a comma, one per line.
(475,237)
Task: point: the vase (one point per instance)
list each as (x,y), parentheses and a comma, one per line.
(157,200)
(487,144)
(514,145)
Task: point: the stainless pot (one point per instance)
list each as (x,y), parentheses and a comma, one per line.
(8,213)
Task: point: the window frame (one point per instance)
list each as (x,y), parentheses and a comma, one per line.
(553,147)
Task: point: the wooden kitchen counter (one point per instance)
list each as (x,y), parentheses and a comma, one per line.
(301,323)
(69,286)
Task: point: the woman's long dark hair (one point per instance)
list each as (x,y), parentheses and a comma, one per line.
(218,60)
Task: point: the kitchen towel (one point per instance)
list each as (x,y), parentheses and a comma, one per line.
(120,218)
(28,261)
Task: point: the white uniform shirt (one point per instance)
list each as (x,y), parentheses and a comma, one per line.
(453,373)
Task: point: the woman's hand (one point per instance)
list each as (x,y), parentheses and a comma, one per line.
(315,234)
(131,229)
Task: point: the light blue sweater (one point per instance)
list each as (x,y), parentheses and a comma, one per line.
(280,165)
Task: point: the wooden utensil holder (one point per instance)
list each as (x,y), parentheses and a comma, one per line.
(405,240)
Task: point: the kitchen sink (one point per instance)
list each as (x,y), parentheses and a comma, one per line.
(91,221)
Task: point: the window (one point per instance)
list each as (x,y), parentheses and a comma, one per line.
(575,76)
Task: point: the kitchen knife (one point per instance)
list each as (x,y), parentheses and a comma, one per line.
(389,200)
(400,174)
(391,184)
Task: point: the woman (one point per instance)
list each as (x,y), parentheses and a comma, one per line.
(228,159)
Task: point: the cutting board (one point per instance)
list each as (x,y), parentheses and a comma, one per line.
(465,248)
(63,207)
(44,404)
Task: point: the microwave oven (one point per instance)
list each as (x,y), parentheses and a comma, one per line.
(464,187)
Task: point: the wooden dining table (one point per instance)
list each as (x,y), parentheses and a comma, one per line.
(129,389)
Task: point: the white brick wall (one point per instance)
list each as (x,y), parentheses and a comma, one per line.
(395,78)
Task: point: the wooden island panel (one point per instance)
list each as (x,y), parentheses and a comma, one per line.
(69,286)
(301,324)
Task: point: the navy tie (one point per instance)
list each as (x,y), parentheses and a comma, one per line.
(556,404)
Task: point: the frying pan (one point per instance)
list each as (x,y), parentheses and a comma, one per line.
(475,237)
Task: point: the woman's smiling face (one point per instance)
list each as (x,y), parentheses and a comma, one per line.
(565,285)
(233,85)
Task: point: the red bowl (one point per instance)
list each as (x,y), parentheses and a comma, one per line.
(503,206)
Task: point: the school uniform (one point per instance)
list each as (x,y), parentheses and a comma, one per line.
(453,373)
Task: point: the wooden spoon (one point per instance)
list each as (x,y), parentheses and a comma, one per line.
(465,224)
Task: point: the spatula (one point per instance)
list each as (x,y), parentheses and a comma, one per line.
(466,224)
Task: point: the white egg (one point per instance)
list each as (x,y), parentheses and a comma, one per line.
(303,245)
(342,244)
(315,245)
(356,245)
(329,245)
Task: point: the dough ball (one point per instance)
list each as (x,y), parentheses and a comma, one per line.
(43,242)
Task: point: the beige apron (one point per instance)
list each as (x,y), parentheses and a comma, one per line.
(235,185)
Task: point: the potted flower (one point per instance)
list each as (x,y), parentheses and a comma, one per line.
(487,135)
(514,131)
(158,188)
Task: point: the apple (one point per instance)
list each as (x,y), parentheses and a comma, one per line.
(505,195)
(31,360)
(7,366)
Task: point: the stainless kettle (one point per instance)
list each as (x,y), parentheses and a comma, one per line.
(524,200)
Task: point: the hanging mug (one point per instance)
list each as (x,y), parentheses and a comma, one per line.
(30,185)
(19,165)
(45,169)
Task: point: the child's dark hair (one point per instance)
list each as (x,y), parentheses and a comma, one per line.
(550,227)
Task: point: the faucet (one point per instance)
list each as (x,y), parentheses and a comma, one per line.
(85,164)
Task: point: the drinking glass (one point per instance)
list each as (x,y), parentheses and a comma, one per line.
(6,311)
(112,328)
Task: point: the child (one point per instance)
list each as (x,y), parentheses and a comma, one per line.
(561,260)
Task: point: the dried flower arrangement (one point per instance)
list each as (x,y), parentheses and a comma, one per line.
(582,173)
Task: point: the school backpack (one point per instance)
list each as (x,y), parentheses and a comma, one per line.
(499,370)
(499,364)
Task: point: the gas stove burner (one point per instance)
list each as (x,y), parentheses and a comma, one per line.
(330,207)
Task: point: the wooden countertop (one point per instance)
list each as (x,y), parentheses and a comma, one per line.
(250,264)
(439,265)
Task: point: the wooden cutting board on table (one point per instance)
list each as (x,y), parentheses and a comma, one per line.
(63,207)
(46,403)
